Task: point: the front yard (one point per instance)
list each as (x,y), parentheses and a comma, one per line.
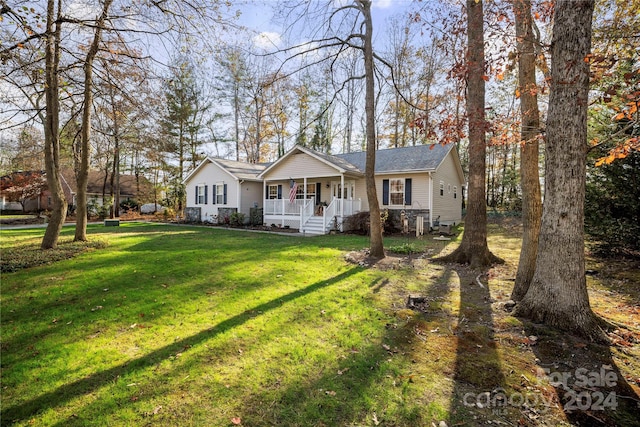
(177,325)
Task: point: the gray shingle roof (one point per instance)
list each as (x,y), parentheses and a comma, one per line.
(240,169)
(415,158)
(340,162)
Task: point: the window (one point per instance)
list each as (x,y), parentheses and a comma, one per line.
(201,194)
(273,192)
(220,194)
(396,191)
(455,191)
(449,188)
(442,188)
(311,191)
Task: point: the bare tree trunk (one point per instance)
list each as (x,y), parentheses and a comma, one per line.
(558,295)
(529,175)
(236,117)
(82,172)
(473,249)
(375,228)
(51,129)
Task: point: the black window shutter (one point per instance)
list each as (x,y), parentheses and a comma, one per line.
(224,202)
(279,191)
(196,194)
(206,188)
(407,191)
(385,191)
(318,188)
(213,195)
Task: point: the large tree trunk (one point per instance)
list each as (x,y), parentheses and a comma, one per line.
(51,128)
(529,176)
(82,170)
(558,295)
(375,227)
(473,249)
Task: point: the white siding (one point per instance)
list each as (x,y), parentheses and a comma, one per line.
(445,206)
(300,165)
(210,175)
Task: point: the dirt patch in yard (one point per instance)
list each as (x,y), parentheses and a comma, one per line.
(391,261)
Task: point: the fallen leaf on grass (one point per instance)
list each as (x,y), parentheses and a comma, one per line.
(330,393)
(236,421)
(157,409)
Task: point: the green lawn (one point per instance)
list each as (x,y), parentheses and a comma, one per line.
(177,325)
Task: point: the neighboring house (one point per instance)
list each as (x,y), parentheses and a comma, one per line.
(425,180)
(217,188)
(132,187)
(33,201)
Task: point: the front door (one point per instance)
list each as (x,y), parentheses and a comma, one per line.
(348,192)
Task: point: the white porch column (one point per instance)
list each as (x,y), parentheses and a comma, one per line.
(264,196)
(305,189)
(342,195)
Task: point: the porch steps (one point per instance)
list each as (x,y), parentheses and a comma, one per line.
(314,226)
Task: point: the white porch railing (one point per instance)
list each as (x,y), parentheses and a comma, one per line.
(283,206)
(329,213)
(346,207)
(298,213)
(306,212)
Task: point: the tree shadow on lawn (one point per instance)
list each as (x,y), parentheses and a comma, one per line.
(372,385)
(93,382)
(354,393)
(480,394)
(70,300)
(588,384)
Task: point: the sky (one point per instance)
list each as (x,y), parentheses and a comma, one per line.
(257,15)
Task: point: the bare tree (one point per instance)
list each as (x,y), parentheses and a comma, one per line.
(82,168)
(473,249)
(348,27)
(51,128)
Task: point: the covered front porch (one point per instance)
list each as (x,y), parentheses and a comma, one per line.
(312,205)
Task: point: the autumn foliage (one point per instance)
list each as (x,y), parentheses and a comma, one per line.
(23,186)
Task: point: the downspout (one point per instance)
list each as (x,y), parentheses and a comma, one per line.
(239,191)
(430,201)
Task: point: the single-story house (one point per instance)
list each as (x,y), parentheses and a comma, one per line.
(27,191)
(217,188)
(314,192)
(132,187)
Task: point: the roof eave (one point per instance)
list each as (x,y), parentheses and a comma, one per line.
(400,171)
